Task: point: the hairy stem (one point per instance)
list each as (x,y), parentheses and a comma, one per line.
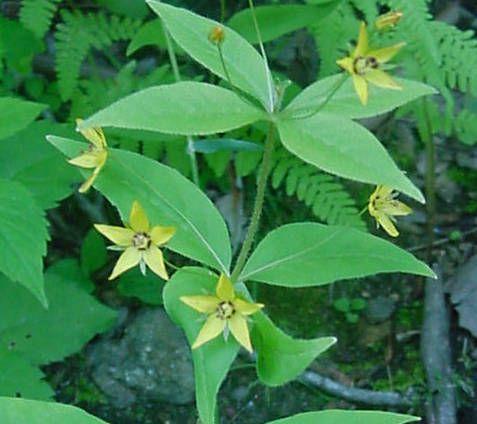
(257,209)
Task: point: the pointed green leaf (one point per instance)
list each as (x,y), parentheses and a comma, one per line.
(17,114)
(342,147)
(244,65)
(23,238)
(168,199)
(43,336)
(345,102)
(347,417)
(280,357)
(23,411)
(310,254)
(212,360)
(187,108)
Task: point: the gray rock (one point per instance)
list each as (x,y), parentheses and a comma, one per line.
(151,361)
(380,309)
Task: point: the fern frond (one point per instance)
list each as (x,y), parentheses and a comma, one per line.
(37,15)
(368,8)
(327,198)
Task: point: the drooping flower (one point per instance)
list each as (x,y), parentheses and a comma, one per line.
(226,312)
(95,157)
(364,65)
(383,206)
(140,243)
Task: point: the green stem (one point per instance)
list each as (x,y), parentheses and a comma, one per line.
(177,76)
(222,11)
(257,209)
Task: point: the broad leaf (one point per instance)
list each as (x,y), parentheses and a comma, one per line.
(275,21)
(310,254)
(93,252)
(342,147)
(280,357)
(244,65)
(36,164)
(17,114)
(212,360)
(168,199)
(43,336)
(215,145)
(23,238)
(347,417)
(186,108)
(18,378)
(147,288)
(23,411)
(345,101)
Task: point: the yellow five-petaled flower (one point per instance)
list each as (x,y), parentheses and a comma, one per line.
(140,243)
(226,312)
(95,157)
(383,206)
(364,65)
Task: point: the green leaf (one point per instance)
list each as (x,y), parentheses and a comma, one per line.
(244,65)
(38,165)
(23,238)
(212,360)
(168,199)
(347,417)
(275,21)
(147,288)
(23,411)
(133,9)
(309,254)
(342,304)
(280,357)
(214,145)
(344,148)
(42,336)
(187,108)
(17,114)
(345,101)
(93,252)
(21,379)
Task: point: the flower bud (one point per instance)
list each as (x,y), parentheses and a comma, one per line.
(388,21)
(217,35)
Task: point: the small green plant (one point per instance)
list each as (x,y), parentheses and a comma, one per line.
(351,308)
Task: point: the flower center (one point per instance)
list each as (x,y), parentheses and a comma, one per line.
(362,65)
(225,310)
(141,241)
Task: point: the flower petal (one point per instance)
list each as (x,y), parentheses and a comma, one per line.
(238,327)
(94,134)
(211,329)
(225,289)
(361,88)
(118,235)
(385,222)
(154,260)
(362,45)
(395,207)
(86,160)
(129,258)
(161,235)
(347,64)
(246,308)
(385,54)
(138,219)
(382,79)
(204,304)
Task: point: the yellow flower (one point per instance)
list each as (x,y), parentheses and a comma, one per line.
(387,21)
(140,243)
(364,64)
(95,157)
(383,206)
(226,312)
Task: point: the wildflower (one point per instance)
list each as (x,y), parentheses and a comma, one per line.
(364,65)
(387,21)
(140,243)
(217,35)
(95,157)
(226,312)
(383,206)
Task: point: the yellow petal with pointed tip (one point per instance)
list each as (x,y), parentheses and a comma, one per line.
(347,64)
(94,135)
(161,235)
(212,327)
(225,289)
(138,219)
(238,327)
(385,54)
(385,222)
(382,79)
(204,304)
(246,308)
(129,258)
(155,261)
(118,235)
(395,207)
(361,88)
(362,45)
(86,160)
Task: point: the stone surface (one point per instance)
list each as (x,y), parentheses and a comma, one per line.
(150,361)
(380,309)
